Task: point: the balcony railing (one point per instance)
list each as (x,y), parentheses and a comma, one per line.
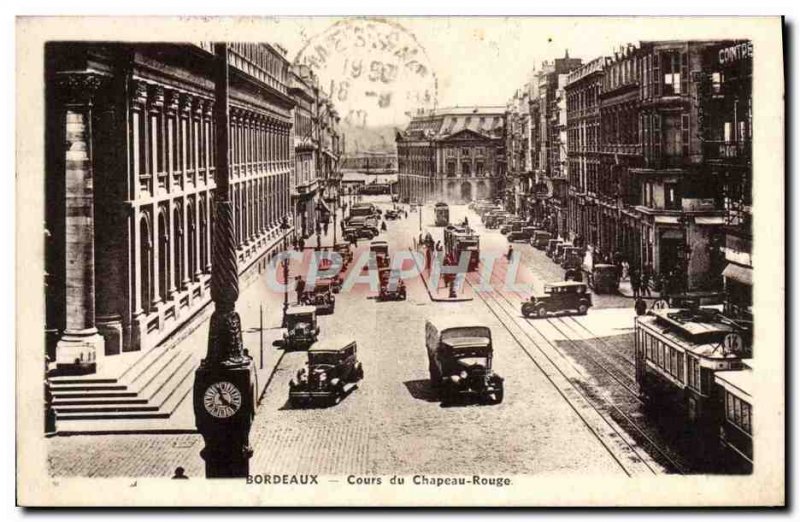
(726,150)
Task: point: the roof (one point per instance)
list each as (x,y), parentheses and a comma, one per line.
(301,310)
(334,343)
(709,350)
(443,123)
(564,283)
(445,322)
(738,382)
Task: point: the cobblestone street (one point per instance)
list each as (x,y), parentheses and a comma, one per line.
(393,422)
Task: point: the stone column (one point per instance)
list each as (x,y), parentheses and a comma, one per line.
(80,343)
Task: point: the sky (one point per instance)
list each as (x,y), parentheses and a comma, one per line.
(475,60)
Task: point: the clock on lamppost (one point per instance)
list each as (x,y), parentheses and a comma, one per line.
(222,399)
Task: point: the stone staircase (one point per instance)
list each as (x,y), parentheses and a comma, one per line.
(140,392)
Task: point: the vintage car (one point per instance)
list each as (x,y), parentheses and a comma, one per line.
(380,249)
(604,279)
(572,258)
(552,245)
(540,239)
(301,329)
(392,287)
(512,225)
(343,249)
(331,372)
(558,297)
(335,283)
(366,232)
(558,255)
(392,214)
(524,234)
(320,296)
(460,360)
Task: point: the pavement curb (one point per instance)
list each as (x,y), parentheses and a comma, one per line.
(428,288)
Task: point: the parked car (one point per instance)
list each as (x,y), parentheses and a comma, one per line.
(552,245)
(558,297)
(558,255)
(540,239)
(512,225)
(331,372)
(460,360)
(301,329)
(572,257)
(392,214)
(343,249)
(604,279)
(320,296)
(366,232)
(392,287)
(523,234)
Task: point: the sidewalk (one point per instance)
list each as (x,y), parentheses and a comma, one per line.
(441,294)
(626,291)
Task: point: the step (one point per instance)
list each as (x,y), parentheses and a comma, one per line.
(86,387)
(83,400)
(116,408)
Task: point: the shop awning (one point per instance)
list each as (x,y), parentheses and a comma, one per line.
(710,220)
(666,220)
(738,273)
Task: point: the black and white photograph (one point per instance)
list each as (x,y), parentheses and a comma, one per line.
(400,261)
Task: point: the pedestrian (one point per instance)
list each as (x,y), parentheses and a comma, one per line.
(299,287)
(635,282)
(405,212)
(383,226)
(625,270)
(645,282)
(438,246)
(325,228)
(180,473)
(510,253)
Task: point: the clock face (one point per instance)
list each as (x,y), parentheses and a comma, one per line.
(222,399)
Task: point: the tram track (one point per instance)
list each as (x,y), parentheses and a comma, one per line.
(619,445)
(622,382)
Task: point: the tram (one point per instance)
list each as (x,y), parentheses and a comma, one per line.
(736,432)
(458,239)
(678,352)
(442,213)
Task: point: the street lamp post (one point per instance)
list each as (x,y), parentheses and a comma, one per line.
(285,228)
(224,387)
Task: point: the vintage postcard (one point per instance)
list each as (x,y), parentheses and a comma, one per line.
(420,261)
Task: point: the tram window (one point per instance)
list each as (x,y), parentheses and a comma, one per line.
(746,417)
(679,362)
(738,412)
(673,362)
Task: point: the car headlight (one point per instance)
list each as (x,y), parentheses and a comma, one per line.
(323,377)
(463,374)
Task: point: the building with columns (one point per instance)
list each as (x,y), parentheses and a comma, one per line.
(454,155)
(130,182)
(304,89)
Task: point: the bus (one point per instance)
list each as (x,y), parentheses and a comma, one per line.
(442,213)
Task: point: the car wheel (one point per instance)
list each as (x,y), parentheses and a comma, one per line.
(359,372)
(541,312)
(582,309)
(526,312)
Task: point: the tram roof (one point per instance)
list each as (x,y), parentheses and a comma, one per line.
(676,335)
(737,382)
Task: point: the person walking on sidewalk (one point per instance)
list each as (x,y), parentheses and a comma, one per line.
(646,275)
(510,253)
(635,282)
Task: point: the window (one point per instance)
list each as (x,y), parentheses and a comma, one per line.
(465,169)
(738,412)
(693,377)
(671,198)
(670,63)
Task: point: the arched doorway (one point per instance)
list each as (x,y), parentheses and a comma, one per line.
(481,190)
(466,192)
(146,265)
(192,242)
(177,238)
(451,190)
(163,254)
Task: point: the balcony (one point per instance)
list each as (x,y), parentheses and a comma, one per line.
(727,150)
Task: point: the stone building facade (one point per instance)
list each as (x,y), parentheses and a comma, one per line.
(453,155)
(130,181)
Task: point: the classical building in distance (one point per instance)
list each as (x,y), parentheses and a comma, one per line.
(455,154)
